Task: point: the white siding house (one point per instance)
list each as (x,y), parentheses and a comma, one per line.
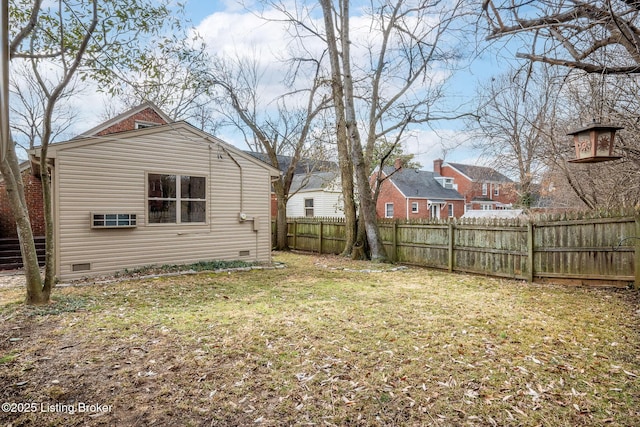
(318,194)
(166,194)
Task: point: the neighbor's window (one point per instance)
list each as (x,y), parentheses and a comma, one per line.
(388,210)
(170,203)
(414,207)
(144,125)
(496,190)
(450,210)
(485,189)
(308,207)
(448,183)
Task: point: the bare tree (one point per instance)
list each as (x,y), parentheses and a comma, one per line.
(611,184)
(591,40)
(394,88)
(27,110)
(285,131)
(174,79)
(594,36)
(510,128)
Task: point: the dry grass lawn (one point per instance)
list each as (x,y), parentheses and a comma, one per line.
(322,342)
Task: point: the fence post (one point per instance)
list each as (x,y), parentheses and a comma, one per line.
(395,240)
(320,238)
(295,234)
(530,252)
(451,246)
(637,257)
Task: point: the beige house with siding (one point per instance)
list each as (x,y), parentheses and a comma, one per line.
(157,194)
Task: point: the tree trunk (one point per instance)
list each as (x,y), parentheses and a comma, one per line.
(344,159)
(15,190)
(346,174)
(282,242)
(49,260)
(360,166)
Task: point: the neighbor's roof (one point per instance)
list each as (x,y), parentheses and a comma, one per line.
(313,181)
(420,184)
(304,165)
(479,173)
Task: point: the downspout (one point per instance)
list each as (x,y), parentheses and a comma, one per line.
(241,180)
(210,200)
(406,208)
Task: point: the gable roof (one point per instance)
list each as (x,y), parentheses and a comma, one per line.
(183,128)
(154,115)
(479,173)
(304,165)
(420,184)
(313,181)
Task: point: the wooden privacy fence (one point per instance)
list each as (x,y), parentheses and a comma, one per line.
(579,250)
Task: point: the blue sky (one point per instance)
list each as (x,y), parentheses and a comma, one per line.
(226,26)
(428,144)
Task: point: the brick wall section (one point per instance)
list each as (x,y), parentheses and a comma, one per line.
(506,191)
(146,115)
(33,194)
(389,193)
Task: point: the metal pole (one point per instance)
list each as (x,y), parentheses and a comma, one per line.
(4,79)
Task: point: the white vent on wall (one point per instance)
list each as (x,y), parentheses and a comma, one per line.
(113,220)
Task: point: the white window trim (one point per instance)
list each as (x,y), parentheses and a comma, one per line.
(496,189)
(386,210)
(178,199)
(485,189)
(414,207)
(141,124)
(312,207)
(451,210)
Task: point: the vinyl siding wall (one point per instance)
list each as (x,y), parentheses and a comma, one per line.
(111,177)
(325,204)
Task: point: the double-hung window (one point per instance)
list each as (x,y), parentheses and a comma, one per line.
(388,210)
(176,199)
(308,207)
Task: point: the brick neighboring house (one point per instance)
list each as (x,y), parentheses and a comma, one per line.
(483,188)
(417,194)
(140,117)
(33,194)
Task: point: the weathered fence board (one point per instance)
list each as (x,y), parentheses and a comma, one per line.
(580,250)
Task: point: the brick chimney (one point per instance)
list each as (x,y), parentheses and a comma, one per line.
(398,163)
(437,166)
